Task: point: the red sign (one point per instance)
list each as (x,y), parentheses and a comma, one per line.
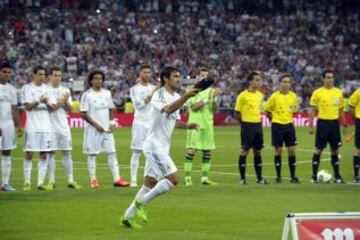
(335,229)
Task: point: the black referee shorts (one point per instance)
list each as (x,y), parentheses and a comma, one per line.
(252,136)
(283,133)
(357,133)
(328,131)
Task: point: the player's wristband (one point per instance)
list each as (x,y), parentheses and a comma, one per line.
(112,122)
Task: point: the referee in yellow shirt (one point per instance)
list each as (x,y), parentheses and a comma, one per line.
(280,108)
(248,113)
(354,103)
(329,103)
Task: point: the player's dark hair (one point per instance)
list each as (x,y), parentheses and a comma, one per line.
(251,76)
(326,71)
(5,65)
(204,69)
(38,68)
(55,69)
(285,75)
(166,73)
(92,74)
(144,66)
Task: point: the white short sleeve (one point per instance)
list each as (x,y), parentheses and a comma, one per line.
(14,100)
(26,95)
(158,100)
(84,103)
(111,102)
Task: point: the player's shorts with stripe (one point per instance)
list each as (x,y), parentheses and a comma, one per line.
(61,141)
(138,135)
(283,133)
(328,131)
(251,136)
(96,142)
(202,139)
(158,165)
(357,133)
(38,142)
(7,138)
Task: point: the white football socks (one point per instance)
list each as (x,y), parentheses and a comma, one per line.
(134,165)
(51,167)
(161,187)
(130,212)
(113,165)
(5,169)
(92,166)
(42,169)
(68,165)
(27,170)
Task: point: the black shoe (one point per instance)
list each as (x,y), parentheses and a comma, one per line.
(356,180)
(314,180)
(243,181)
(339,180)
(294,180)
(278,180)
(262,181)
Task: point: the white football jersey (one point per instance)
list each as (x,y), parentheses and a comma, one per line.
(8,98)
(38,119)
(138,93)
(58,118)
(161,124)
(97,106)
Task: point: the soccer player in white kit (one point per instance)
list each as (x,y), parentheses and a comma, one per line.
(60,101)
(140,95)
(161,174)
(9,119)
(35,98)
(96,108)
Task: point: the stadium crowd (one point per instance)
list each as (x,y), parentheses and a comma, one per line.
(229,36)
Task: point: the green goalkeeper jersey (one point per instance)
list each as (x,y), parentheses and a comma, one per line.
(204,116)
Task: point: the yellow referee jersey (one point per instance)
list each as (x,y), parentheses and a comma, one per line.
(328,102)
(249,105)
(354,102)
(282,107)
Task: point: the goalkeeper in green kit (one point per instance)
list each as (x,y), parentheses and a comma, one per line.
(201,111)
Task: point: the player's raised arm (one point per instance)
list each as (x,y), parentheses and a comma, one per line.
(169,109)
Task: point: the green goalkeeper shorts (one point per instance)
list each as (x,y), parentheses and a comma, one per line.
(202,139)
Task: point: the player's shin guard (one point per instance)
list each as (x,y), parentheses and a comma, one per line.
(242,167)
(292,166)
(161,187)
(356,166)
(335,164)
(5,169)
(258,167)
(277,161)
(134,165)
(114,167)
(188,164)
(315,165)
(68,165)
(92,166)
(51,167)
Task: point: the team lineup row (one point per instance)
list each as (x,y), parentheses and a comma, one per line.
(47,130)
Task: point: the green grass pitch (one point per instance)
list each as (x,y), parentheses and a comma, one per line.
(228,211)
